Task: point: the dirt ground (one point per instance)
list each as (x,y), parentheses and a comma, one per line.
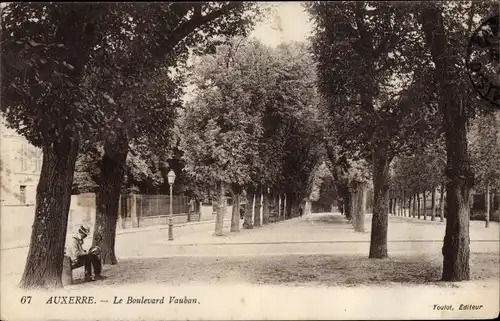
(308,270)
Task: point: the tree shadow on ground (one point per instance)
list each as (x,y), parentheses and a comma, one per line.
(325,270)
(328,219)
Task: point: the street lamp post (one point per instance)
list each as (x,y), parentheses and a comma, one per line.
(171,179)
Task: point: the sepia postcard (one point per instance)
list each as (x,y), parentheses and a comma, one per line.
(251,160)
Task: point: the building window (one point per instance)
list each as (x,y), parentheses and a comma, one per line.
(22,194)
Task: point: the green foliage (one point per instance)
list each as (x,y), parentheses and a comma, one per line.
(419,172)
(45,50)
(484,150)
(366,55)
(253,119)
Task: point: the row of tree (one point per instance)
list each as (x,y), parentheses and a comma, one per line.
(251,125)
(393,82)
(86,78)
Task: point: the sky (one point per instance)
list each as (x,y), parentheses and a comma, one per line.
(294,23)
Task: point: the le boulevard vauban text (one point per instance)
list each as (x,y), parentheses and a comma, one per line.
(122,300)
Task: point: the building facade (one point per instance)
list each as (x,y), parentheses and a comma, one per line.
(20,167)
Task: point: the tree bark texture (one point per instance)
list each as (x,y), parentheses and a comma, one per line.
(380,221)
(219,218)
(415,211)
(112,167)
(441,202)
(235,218)
(359,226)
(487,205)
(347,205)
(247,223)
(354,208)
(424,205)
(265,206)
(258,206)
(282,207)
(44,262)
(458,172)
(419,211)
(288,206)
(433,204)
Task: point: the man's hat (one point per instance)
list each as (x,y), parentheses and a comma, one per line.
(84,230)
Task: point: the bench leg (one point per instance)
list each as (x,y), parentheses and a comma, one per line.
(67,273)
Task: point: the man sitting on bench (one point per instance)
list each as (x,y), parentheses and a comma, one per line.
(80,257)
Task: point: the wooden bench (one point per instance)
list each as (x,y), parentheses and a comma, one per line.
(67,272)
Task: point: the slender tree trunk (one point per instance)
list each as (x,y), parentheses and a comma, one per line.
(282,207)
(415,211)
(418,205)
(247,223)
(235,218)
(265,206)
(219,218)
(410,207)
(433,201)
(424,207)
(380,221)
(361,208)
(347,205)
(285,206)
(108,194)
(458,172)
(288,206)
(487,204)
(44,263)
(258,206)
(390,206)
(441,203)
(354,208)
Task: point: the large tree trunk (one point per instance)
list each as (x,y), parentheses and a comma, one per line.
(441,203)
(265,206)
(433,205)
(235,218)
(247,223)
(487,204)
(458,172)
(359,226)
(258,206)
(44,263)
(219,218)
(112,168)
(424,205)
(380,221)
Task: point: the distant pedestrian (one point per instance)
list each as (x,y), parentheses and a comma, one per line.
(301,211)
